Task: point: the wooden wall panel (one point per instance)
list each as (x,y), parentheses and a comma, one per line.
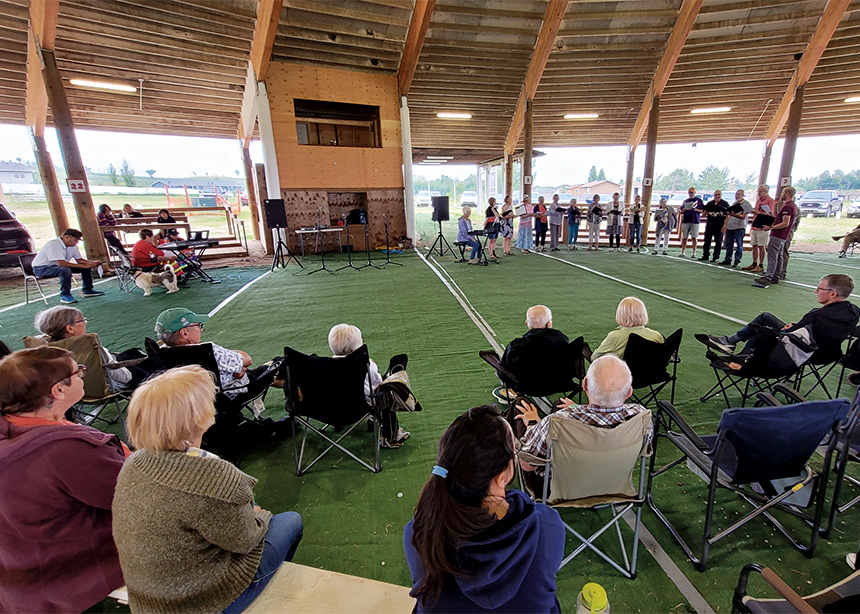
(389,202)
(302,208)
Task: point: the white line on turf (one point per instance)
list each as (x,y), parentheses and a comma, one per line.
(52,295)
(230,298)
(837,264)
(644,289)
(463,294)
(463,303)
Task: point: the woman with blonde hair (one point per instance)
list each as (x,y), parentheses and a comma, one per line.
(57,553)
(632,318)
(189,535)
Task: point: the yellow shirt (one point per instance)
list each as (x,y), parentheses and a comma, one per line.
(616,341)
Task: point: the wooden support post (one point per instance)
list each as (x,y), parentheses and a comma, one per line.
(49,181)
(509,175)
(252,195)
(94,241)
(765,166)
(628,178)
(791,131)
(408,182)
(527,154)
(262,195)
(650,155)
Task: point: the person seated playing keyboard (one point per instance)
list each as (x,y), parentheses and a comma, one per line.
(145,254)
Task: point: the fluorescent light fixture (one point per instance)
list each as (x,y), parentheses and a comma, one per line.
(451,115)
(853,99)
(702,110)
(440,157)
(103,85)
(582,116)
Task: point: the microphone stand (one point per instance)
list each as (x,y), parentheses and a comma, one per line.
(367,247)
(388,246)
(323,267)
(348,247)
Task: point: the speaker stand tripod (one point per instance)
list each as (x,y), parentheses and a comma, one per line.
(388,246)
(367,250)
(350,265)
(442,242)
(321,245)
(281,249)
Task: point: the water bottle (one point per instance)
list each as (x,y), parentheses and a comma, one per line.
(592,600)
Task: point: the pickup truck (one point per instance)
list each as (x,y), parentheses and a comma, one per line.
(820,202)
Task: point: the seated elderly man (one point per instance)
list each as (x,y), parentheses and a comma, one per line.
(60,257)
(607,385)
(542,354)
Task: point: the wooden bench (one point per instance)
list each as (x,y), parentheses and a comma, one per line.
(128,229)
(299,589)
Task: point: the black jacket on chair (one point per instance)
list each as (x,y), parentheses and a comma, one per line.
(539,358)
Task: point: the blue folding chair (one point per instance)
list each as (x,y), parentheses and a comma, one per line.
(760,454)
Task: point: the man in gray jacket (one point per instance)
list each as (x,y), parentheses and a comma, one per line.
(735,227)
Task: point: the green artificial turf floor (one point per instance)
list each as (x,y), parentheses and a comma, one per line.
(354,519)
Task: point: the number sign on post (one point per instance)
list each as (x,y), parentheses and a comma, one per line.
(76,185)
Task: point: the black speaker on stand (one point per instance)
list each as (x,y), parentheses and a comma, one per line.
(440,214)
(276,219)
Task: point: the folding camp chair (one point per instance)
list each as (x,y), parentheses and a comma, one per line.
(789,600)
(325,396)
(25,261)
(123,268)
(97,396)
(760,454)
(851,359)
(592,467)
(649,364)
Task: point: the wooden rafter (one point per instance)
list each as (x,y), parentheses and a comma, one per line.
(268,17)
(674,46)
(414,42)
(552,18)
(43,32)
(833,13)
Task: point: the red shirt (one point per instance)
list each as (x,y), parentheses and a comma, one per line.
(790,209)
(140,254)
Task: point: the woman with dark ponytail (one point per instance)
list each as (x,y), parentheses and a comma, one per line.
(472,546)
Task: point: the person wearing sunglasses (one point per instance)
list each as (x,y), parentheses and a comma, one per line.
(57,553)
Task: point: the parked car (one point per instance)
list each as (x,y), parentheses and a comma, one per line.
(423,199)
(853,209)
(14,239)
(469,198)
(820,202)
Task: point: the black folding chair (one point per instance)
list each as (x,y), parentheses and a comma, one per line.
(851,359)
(760,454)
(123,268)
(649,363)
(326,396)
(789,600)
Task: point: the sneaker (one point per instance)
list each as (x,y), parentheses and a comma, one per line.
(472,261)
(714,259)
(758,269)
(629,250)
(842,255)
(655,252)
(724,262)
(665,253)
(735,265)
(704,259)
(637,250)
(67,299)
(92,292)
(851,559)
(722,344)
(682,255)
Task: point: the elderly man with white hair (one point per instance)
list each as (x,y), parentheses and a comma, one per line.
(608,384)
(531,357)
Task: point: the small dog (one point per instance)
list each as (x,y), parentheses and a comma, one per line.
(146,281)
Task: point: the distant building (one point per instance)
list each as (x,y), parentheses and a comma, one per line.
(201,183)
(15,172)
(594,187)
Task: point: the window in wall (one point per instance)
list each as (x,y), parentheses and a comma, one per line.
(336,124)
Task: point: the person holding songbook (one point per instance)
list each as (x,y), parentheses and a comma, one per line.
(734,228)
(715,218)
(763,213)
(595,217)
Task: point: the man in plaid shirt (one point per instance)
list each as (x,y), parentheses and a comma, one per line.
(607,385)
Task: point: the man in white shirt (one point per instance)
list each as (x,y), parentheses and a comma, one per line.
(60,257)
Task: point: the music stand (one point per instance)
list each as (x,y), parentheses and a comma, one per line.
(367,249)
(388,246)
(322,267)
(350,265)
(281,249)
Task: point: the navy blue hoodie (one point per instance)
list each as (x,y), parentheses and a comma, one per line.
(510,567)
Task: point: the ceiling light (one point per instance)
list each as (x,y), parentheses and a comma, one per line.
(450,115)
(582,116)
(440,157)
(853,99)
(701,110)
(103,85)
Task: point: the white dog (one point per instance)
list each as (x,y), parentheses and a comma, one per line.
(146,281)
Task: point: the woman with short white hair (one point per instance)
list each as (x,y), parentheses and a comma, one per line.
(464,227)
(632,318)
(189,534)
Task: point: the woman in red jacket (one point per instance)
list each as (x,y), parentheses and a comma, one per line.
(57,553)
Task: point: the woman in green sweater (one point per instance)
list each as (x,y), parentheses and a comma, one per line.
(632,318)
(189,535)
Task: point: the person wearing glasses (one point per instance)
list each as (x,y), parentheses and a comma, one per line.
(473,545)
(61,322)
(830,324)
(57,553)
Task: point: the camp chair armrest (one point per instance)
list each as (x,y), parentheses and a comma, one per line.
(531,459)
(790,393)
(775,582)
(586,351)
(665,407)
(124,364)
(766,398)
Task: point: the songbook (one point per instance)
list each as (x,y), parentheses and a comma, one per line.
(521,210)
(736,208)
(762,220)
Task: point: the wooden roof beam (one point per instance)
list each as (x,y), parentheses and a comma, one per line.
(833,14)
(415,35)
(674,46)
(265,29)
(43,33)
(552,18)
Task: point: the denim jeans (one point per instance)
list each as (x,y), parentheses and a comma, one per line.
(65,274)
(476,248)
(750,332)
(282,539)
(734,242)
(572,233)
(634,234)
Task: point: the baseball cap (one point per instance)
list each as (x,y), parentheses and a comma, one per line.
(177,318)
